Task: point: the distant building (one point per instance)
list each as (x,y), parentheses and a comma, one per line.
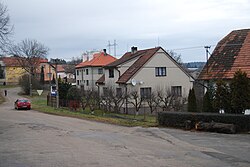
(89,71)
(12,70)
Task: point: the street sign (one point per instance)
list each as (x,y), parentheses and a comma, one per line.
(39,92)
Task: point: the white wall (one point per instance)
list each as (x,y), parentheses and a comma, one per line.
(175,76)
(92,77)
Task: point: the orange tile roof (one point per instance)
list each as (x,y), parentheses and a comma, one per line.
(99,59)
(60,68)
(231,54)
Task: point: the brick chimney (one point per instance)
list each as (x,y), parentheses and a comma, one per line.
(105,52)
(133,49)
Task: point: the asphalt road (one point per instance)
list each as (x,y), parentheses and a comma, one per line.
(33,139)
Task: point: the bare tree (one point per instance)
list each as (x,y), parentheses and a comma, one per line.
(5,27)
(105,99)
(175,56)
(117,99)
(85,97)
(135,100)
(153,102)
(69,68)
(29,53)
(165,98)
(94,100)
(75,60)
(168,100)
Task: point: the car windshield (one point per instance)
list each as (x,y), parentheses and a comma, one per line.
(23,101)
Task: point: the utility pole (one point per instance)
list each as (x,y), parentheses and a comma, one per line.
(207,52)
(109,45)
(112,45)
(30,80)
(57,87)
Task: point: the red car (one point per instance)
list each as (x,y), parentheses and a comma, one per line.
(22,104)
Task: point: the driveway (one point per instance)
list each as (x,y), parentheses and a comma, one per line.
(33,139)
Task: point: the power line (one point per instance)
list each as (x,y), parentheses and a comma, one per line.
(197,47)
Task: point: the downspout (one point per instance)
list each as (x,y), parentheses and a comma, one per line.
(119,72)
(126,91)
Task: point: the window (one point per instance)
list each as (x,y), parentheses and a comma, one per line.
(77,72)
(87,71)
(176,91)
(87,82)
(78,82)
(111,73)
(100,71)
(118,92)
(145,93)
(160,71)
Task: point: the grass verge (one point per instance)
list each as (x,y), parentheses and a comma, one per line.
(40,104)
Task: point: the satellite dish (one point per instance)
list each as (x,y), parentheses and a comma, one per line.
(141,82)
(133,82)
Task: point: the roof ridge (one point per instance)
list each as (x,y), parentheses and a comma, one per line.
(137,65)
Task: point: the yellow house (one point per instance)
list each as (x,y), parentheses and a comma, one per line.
(11,70)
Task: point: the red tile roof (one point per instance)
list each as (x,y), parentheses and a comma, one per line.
(231,54)
(60,68)
(10,61)
(99,60)
(13,61)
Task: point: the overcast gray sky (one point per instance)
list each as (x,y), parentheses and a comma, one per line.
(70,27)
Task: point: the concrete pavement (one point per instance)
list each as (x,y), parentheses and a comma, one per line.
(30,138)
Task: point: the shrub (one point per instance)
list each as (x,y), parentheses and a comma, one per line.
(178,119)
(240,91)
(222,97)
(74,94)
(25,84)
(63,89)
(192,105)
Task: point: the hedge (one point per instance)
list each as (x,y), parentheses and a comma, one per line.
(178,119)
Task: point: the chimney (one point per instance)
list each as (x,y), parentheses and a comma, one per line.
(105,52)
(133,49)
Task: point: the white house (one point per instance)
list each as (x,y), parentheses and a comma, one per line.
(89,71)
(146,71)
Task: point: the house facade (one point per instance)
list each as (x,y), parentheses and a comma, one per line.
(89,71)
(146,71)
(232,53)
(11,70)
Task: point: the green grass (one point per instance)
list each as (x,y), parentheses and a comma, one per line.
(40,104)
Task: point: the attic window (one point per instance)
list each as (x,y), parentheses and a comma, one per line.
(160,71)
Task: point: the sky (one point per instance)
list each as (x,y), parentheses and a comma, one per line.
(71,27)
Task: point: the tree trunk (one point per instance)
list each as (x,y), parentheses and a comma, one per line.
(216,127)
